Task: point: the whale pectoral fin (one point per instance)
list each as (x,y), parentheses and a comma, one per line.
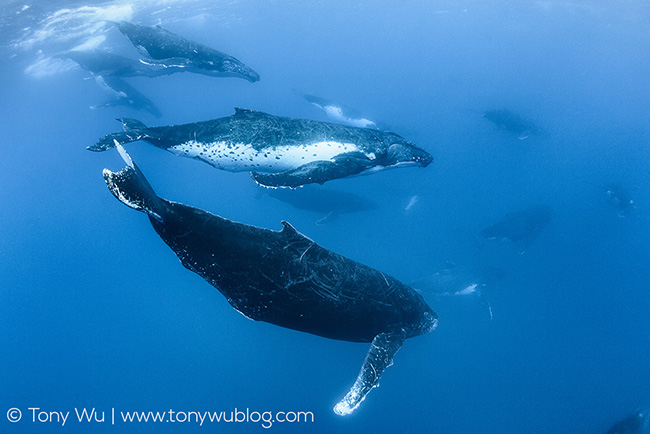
(319,172)
(379,357)
(331,216)
(525,243)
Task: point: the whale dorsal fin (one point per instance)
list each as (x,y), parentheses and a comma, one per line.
(244,111)
(296,242)
(290,232)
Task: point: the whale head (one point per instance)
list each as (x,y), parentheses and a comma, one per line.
(404,153)
(230,67)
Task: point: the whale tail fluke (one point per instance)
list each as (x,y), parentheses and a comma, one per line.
(134,130)
(131,188)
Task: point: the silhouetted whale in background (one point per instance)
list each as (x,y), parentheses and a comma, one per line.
(511,122)
(286,279)
(330,203)
(167,49)
(635,423)
(520,227)
(456,280)
(108,69)
(280,151)
(125,95)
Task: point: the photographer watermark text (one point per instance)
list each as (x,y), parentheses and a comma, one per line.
(266,419)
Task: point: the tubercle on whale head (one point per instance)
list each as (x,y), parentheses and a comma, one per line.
(238,69)
(429,322)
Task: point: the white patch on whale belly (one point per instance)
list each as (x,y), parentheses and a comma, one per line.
(238,157)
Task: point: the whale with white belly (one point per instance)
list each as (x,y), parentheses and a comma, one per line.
(278,151)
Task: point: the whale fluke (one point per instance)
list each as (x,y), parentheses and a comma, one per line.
(131,188)
(134,130)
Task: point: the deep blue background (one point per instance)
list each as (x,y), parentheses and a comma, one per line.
(95,311)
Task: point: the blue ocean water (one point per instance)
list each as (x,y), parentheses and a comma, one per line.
(97,312)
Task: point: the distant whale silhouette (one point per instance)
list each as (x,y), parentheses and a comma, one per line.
(280,151)
(125,95)
(458,280)
(164,48)
(511,122)
(286,279)
(521,227)
(331,203)
(340,114)
(107,70)
(635,423)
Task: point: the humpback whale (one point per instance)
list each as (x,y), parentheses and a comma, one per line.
(108,68)
(279,151)
(452,279)
(330,203)
(511,122)
(164,48)
(521,227)
(125,95)
(635,423)
(284,278)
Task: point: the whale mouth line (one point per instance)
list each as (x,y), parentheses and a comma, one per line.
(404,164)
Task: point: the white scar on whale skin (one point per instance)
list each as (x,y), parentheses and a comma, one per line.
(244,157)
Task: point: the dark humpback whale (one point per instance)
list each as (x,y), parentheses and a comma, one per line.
(164,48)
(125,95)
(511,122)
(279,151)
(340,114)
(521,227)
(635,423)
(284,278)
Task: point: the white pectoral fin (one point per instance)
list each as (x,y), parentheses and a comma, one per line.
(379,357)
